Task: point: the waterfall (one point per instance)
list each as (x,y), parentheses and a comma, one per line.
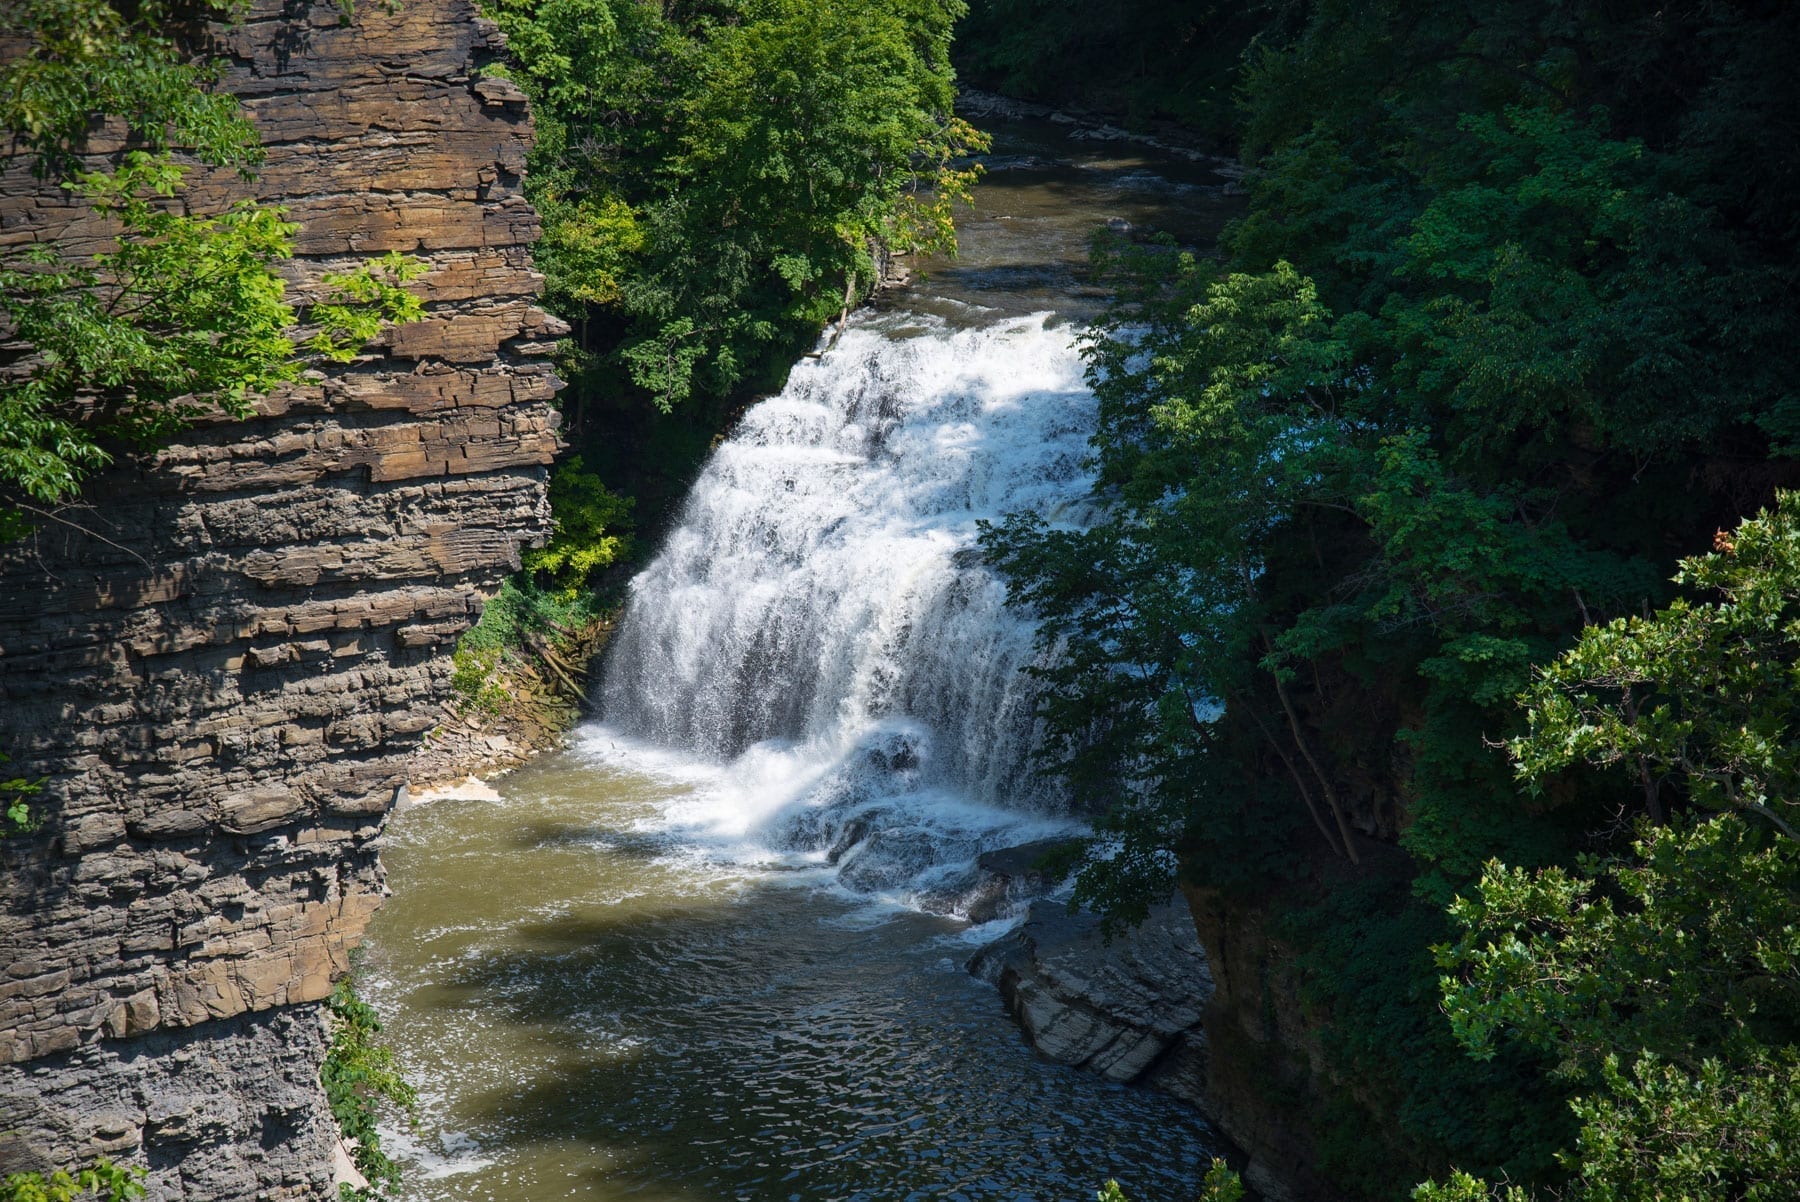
(820,624)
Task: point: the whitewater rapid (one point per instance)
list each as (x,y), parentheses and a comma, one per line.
(818,644)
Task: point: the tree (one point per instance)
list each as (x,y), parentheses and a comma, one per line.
(1489,343)
(1221,1185)
(713,179)
(184,313)
(1666,979)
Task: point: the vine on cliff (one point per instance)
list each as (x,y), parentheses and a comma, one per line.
(361,1082)
(102,1179)
(16,817)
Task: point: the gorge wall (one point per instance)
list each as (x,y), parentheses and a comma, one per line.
(219,663)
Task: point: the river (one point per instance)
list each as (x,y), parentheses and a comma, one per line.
(714,949)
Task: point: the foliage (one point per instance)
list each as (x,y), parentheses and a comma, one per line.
(1679,957)
(711,177)
(89,59)
(517,626)
(359,303)
(16,818)
(587,538)
(1702,700)
(1490,344)
(1461,1187)
(102,1179)
(360,1078)
(1221,1185)
(184,313)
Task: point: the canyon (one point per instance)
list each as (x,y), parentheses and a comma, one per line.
(224,666)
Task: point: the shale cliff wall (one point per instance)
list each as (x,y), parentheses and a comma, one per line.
(220,662)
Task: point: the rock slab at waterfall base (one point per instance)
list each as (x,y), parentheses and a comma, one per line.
(1129,1009)
(1132,1009)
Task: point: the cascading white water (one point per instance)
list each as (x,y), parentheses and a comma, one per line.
(820,619)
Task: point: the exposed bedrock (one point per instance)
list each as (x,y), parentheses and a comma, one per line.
(1226,1032)
(220,662)
(1129,1009)
(230,1109)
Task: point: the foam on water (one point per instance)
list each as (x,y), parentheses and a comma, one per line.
(818,652)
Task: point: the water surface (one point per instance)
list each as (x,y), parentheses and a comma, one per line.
(593,1008)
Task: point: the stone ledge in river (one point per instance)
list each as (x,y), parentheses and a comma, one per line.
(1129,1010)
(1008,877)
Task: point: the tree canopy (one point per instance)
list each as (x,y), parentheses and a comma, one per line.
(1505,328)
(714,179)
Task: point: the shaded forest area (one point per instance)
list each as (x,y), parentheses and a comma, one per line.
(1447,597)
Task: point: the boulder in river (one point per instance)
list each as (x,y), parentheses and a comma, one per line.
(1010,876)
(1128,1009)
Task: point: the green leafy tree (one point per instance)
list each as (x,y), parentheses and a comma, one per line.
(1488,343)
(1666,980)
(711,179)
(183,314)
(590,531)
(89,59)
(802,143)
(1699,703)
(361,302)
(1221,1185)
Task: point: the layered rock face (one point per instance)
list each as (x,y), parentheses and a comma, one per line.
(1269,1073)
(220,662)
(1129,1009)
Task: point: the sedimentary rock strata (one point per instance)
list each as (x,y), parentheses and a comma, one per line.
(1129,1009)
(218,663)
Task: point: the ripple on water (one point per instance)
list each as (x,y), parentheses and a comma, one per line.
(599,1025)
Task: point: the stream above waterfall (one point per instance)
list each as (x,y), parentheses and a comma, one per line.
(714,949)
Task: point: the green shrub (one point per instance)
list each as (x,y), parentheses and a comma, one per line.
(516,625)
(359,1075)
(590,530)
(102,1179)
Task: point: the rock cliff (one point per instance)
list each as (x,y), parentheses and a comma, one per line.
(220,662)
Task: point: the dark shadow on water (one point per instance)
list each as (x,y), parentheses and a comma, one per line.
(738,1046)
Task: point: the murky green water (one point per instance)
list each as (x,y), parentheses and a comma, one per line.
(600,996)
(590,1008)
